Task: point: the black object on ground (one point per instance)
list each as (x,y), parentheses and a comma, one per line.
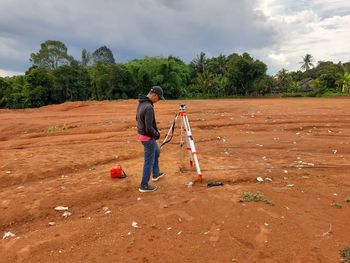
(215,183)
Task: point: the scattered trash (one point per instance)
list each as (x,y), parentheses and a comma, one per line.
(8,172)
(298,133)
(335,194)
(335,151)
(259,179)
(285,171)
(215,183)
(189,184)
(290,185)
(206,233)
(302,164)
(52,223)
(8,234)
(266,224)
(139,199)
(61,208)
(66,214)
(179,233)
(106,210)
(268,179)
(169,228)
(129,233)
(329,131)
(329,231)
(135,224)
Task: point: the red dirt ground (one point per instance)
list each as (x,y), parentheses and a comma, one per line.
(60,155)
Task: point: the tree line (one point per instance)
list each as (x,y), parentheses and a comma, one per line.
(56,77)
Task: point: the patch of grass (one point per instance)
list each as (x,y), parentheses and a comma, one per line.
(131,241)
(250,197)
(153,225)
(52,129)
(347,199)
(345,254)
(337,205)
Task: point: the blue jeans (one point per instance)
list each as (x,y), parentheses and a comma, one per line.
(150,164)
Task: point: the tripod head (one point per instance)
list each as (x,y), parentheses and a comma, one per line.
(182,107)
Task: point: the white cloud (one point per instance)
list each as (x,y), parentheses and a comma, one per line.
(9,73)
(277,32)
(303,29)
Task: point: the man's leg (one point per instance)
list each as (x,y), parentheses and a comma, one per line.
(149,149)
(155,168)
(156,173)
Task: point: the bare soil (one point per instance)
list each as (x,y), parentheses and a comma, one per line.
(60,155)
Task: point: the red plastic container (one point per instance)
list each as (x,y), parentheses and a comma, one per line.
(117,172)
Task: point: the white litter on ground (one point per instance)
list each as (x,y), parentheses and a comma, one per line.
(8,234)
(135,224)
(259,179)
(66,214)
(61,208)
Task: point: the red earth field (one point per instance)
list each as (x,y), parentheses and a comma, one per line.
(60,155)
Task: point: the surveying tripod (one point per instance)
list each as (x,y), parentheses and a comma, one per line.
(185,126)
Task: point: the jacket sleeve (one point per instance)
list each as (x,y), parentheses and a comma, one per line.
(149,117)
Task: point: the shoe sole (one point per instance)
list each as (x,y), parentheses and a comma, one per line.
(156,179)
(146,191)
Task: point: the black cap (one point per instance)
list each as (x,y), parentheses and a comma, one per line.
(159,91)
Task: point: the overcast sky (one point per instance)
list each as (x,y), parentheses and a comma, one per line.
(278,32)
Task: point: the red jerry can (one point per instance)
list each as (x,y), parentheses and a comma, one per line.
(117,172)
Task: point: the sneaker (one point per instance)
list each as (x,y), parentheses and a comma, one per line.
(148,188)
(156,178)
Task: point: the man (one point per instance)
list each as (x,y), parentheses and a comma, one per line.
(147,135)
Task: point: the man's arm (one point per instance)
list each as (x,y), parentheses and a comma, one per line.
(149,117)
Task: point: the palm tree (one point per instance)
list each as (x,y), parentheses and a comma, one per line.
(307,62)
(345,79)
(199,63)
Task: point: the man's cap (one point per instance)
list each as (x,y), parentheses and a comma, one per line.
(159,91)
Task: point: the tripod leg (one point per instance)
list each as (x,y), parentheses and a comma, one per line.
(188,146)
(192,146)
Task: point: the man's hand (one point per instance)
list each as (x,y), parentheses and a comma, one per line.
(157,136)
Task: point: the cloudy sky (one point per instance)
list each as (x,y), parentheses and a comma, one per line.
(278,32)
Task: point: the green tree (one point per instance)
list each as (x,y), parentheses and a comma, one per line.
(5,92)
(345,82)
(38,87)
(99,74)
(85,58)
(199,64)
(307,62)
(244,72)
(51,55)
(103,55)
(218,65)
(328,73)
(71,83)
(284,81)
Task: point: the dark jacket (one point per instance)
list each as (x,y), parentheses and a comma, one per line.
(146,121)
